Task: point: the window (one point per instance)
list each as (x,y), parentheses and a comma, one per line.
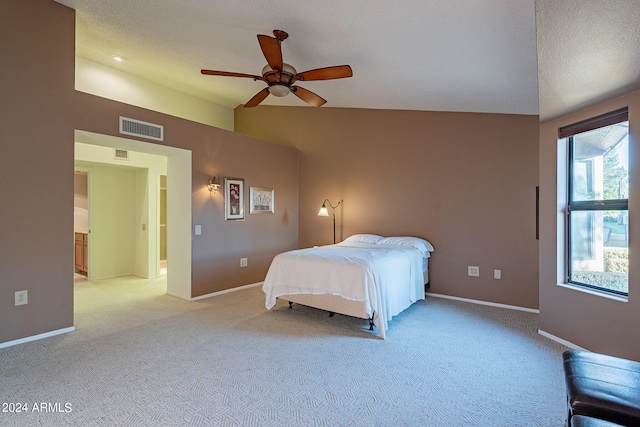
(597,215)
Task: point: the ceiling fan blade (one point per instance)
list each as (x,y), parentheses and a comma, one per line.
(308,96)
(258,98)
(326,73)
(271,49)
(230,74)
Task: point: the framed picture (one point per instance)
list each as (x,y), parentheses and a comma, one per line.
(261,200)
(233,199)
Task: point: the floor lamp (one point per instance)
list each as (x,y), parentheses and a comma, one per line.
(324,212)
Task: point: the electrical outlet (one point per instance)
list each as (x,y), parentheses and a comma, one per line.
(497,274)
(243,262)
(473,270)
(21,297)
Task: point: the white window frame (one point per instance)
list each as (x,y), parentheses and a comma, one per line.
(565,173)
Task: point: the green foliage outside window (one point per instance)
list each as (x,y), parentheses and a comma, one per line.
(616,260)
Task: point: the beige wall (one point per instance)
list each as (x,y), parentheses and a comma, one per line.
(466,182)
(112,83)
(39,112)
(112,241)
(591,321)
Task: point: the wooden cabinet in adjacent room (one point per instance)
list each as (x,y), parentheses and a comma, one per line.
(81,251)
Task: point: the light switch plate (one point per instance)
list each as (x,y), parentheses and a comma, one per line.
(198,230)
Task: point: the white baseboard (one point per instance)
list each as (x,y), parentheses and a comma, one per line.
(37,337)
(492,304)
(560,340)
(512,307)
(171,294)
(226,291)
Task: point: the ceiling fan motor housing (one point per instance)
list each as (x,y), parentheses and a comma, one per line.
(279,81)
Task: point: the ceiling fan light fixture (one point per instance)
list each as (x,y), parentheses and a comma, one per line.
(279,90)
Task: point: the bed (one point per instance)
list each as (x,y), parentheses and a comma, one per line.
(366,276)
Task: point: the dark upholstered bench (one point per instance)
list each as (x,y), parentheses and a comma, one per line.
(582,421)
(602,387)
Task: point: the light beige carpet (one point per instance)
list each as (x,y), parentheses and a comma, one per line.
(141,358)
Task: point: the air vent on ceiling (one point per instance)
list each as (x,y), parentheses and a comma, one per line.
(121,154)
(141,129)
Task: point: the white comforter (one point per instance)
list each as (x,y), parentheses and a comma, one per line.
(387,278)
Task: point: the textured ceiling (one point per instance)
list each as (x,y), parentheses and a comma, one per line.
(588,52)
(453,55)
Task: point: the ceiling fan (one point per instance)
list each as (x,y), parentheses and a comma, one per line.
(280,76)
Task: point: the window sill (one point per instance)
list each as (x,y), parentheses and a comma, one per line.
(595,292)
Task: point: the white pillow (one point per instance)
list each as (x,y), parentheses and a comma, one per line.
(413,242)
(363,238)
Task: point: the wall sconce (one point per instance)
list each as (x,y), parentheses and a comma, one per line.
(324,212)
(213,185)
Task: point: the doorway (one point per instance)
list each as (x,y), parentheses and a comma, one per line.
(163,225)
(177,216)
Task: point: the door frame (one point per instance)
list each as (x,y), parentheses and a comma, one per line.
(179,204)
